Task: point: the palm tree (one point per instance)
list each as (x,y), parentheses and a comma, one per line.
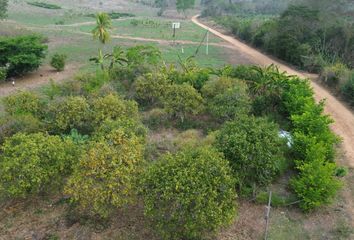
(101,32)
(103,25)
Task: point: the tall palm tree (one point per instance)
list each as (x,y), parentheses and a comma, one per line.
(103,26)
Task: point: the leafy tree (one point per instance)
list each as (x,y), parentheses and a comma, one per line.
(23,102)
(3,8)
(104,179)
(190,194)
(143,54)
(112,107)
(316,184)
(183,5)
(34,163)
(227,98)
(151,88)
(22,54)
(24,123)
(254,149)
(58,61)
(68,113)
(182,100)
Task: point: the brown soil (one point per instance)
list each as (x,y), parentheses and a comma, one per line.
(38,78)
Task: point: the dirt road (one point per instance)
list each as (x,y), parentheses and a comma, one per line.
(37,78)
(344,118)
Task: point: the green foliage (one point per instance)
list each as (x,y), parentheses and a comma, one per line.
(190,194)
(335,75)
(151,88)
(183,100)
(23,54)
(112,107)
(183,5)
(115,15)
(143,54)
(227,98)
(316,185)
(58,61)
(103,25)
(3,9)
(34,163)
(3,74)
(348,90)
(23,102)
(156,118)
(104,179)
(44,5)
(64,114)
(24,123)
(254,150)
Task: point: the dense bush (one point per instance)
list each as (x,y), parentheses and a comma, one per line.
(22,103)
(112,107)
(34,163)
(254,150)
(316,184)
(182,100)
(58,61)
(335,75)
(24,123)
(190,194)
(23,53)
(151,88)
(348,90)
(227,98)
(156,118)
(44,5)
(105,177)
(64,114)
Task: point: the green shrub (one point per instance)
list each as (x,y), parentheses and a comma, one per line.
(24,102)
(156,118)
(190,194)
(58,61)
(105,177)
(64,114)
(23,54)
(335,75)
(231,103)
(182,100)
(316,184)
(348,90)
(24,123)
(151,88)
(112,107)
(253,148)
(34,163)
(44,5)
(3,74)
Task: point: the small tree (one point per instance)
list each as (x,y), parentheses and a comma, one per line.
(112,107)
(67,113)
(150,89)
(58,61)
(105,176)
(184,5)
(34,163)
(316,184)
(182,100)
(22,103)
(254,149)
(22,54)
(190,194)
(3,8)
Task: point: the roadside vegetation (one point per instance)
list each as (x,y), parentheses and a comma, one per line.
(311,36)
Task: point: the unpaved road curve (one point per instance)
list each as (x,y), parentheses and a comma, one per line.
(343,117)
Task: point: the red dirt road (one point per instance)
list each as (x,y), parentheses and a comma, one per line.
(344,118)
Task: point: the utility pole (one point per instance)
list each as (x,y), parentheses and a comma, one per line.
(207,43)
(267,215)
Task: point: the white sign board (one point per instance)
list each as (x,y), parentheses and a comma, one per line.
(176,25)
